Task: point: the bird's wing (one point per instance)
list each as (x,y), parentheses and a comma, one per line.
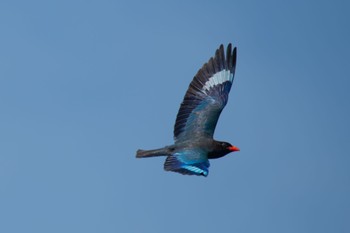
(206,96)
(191,162)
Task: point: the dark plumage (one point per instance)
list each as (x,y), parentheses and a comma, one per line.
(196,120)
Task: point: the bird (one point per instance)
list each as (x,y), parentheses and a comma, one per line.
(199,112)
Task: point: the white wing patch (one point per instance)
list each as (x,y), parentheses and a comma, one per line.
(218,78)
(195,169)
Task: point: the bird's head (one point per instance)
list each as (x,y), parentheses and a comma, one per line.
(222,149)
(228,147)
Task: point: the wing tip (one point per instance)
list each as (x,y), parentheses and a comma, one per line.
(231,58)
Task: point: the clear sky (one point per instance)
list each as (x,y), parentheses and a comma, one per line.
(84,84)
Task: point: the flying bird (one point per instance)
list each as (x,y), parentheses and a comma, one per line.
(198,115)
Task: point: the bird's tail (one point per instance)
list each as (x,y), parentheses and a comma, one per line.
(165,151)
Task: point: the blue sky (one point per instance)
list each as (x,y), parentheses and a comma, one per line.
(84,84)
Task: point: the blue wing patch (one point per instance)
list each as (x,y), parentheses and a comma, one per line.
(175,163)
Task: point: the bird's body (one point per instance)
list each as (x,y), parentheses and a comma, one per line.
(196,120)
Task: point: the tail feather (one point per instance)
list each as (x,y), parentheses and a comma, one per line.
(153,153)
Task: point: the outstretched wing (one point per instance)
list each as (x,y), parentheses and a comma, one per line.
(206,96)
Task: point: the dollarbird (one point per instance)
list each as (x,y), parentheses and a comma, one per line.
(198,115)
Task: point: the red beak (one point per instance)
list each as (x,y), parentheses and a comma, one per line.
(233,148)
